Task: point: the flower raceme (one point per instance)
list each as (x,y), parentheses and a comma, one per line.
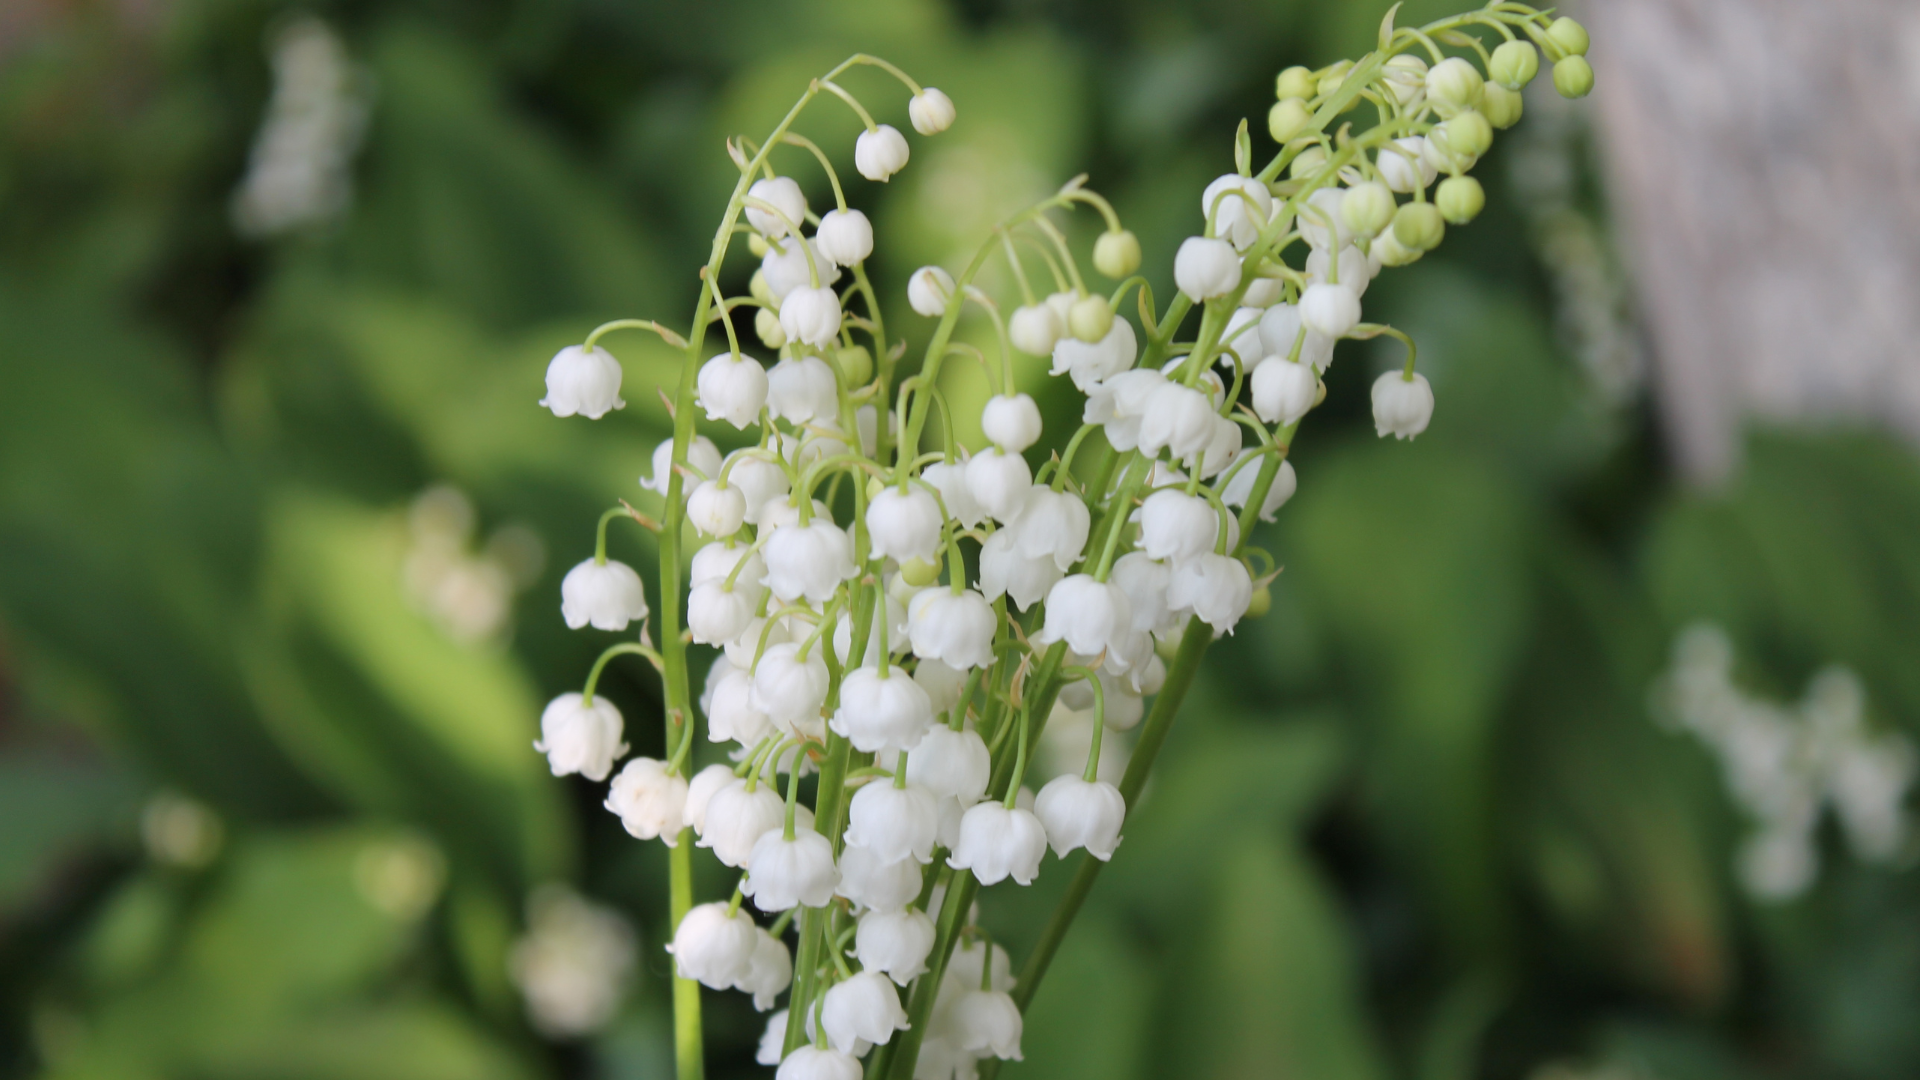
(857,638)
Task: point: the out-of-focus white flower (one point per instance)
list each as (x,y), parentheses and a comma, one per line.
(650,801)
(573,965)
(298,173)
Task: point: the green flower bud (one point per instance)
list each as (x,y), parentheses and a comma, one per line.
(1116,254)
(766,323)
(1418,226)
(1460,199)
(1454,85)
(920,574)
(760,290)
(1391,253)
(1295,82)
(1288,118)
(1501,106)
(1573,77)
(1367,208)
(1469,134)
(1090,318)
(1310,161)
(1569,35)
(758,245)
(1331,78)
(855,364)
(1514,65)
(1261,603)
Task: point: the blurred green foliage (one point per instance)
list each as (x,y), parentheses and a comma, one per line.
(1415,823)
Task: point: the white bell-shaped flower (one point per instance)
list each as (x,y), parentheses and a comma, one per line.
(1243,337)
(969,957)
(893,823)
(997,843)
(795,265)
(1005,569)
(863,1008)
(814,1063)
(894,942)
(1179,420)
(761,480)
(844,236)
(1217,588)
(904,525)
(1053,524)
(712,947)
(1283,391)
(773,1040)
(988,1022)
(1177,526)
(1204,268)
(650,801)
(956,628)
(785,196)
(951,764)
(950,480)
(1119,404)
(580,738)
(1145,583)
(733,388)
(608,595)
(1221,449)
(875,885)
(1404,167)
(1034,328)
(582,382)
(1090,362)
(1239,207)
(1321,223)
(1332,310)
(1263,292)
(790,688)
(897,643)
(702,457)
(1080,814)
(880,153)
(732,715)
(737,817)
(998,482)
(1090,616)
(1011,421)
(700,791)
(716,511)
(1240,489)
(1356,272)
(1280,330)
(1402,407)
(808,560)
(929,290)
(769,973)
(931,111)
(942,682)
(811,315)
(882,713)
(717,614)
(783,873)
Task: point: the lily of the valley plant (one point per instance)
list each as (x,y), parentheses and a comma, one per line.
(901,617)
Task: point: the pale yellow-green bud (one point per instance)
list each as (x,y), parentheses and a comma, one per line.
(1310,161)
(1573,77)
(1514,64)
(1501,106)
(855,364)
(1116,254)
(875,485)
(1460,199)
(1287,118)
(1453,85)
(758,245)
(1090,318)
(766,323)
(1331,78)
(1261,603)
(760,290)
(1469,134)
(1367,208)
(1391,252)
(1569,35)
(1418,226)
(920,574)
(1295,82)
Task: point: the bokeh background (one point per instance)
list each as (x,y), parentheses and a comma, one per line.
(1564,754)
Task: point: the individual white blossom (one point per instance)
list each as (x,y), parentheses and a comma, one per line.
(732,714)
(862,1008)
(713,947)
(808,560)
(1178,526)
(716,511)
(880,153)
(1402,406)
(703,458)
(931,111)
(795,265)
(1078,814)
(608,595)
(894,823)
(951,764)
(988,1022)
(584,383)
(942,682)
(875,885)
(997,843)
(578,737)
(1011,421)
(789,205)
(845,237)
(1217,588)
(1238,206)
(1008,570)
(783,873)
(998,482)
(700,792)
(886,713)
(1090,616)
(811,315)
(650,801)
(790,688)
(1404,166)
(1205,268)
(1178,420)
(895,943)
(1280,332)
(904,525)
(1087,363)
(950,480)
(769,972)
(1283,391)
(1330,310)
(1051,524)
(773,1040)
(736,817)
(813,1063)
(954,628)
(929,291)
(1240,488)
(733,388)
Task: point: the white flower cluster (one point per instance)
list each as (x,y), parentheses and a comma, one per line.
(299,172)
(1784,764)
(905,621)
